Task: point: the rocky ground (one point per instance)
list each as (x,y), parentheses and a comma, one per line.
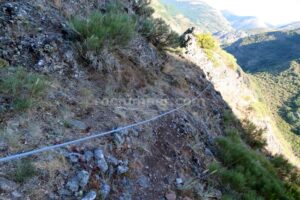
(166,159)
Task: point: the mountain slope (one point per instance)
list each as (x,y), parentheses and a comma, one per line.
(182,14)
(291,26)
(271,51)
(100,76)
(244,22)
(240,91)
(273,59)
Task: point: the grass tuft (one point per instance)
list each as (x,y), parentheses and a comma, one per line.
(24,87)
(114,28)
(25,170)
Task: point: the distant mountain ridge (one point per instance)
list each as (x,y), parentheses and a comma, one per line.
(184,14)
(291,26)
(244,22)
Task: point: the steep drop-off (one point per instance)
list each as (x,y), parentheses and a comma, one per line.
(240,92)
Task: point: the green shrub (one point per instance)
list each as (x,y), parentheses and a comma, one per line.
(285,170)
(155,30)
(291,113)
(253,136)
(115,27)
(159,33)
(206,41)
(212,50)
(142,8)
(25,170)
(22,86)
(249,173)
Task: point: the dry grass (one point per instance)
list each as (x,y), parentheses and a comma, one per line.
(58,163)
(57,3)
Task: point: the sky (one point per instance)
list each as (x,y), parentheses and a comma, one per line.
(275,12)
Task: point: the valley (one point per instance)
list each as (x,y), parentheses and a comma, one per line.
(273,59)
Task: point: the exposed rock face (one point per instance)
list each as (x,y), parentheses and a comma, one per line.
(33,34)
(7,185)
(230,37)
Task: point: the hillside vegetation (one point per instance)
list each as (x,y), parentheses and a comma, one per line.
(271,51)
(214,52)
(273,59)
(277,94)
(247,171)
(291,113)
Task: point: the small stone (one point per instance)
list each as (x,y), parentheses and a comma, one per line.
(179,181)
(119,139)
(7,185)
(73,184)
(77,124)
(122,169)
(105,189)
(208,152)
(3,145)
(16,194)
(143,182)
(63,192)
(217,194)
(112,160)
(134,132)
(88,156)
(100,160)
(167,68)
(48,48)
(41,63)
(90,196)
(125,196)
(74,157)
(171,195)
(83,178)
(102,164)
(99,154)
(52,196)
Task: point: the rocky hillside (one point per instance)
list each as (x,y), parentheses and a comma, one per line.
(225,37)
(87,92)
(71,69)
